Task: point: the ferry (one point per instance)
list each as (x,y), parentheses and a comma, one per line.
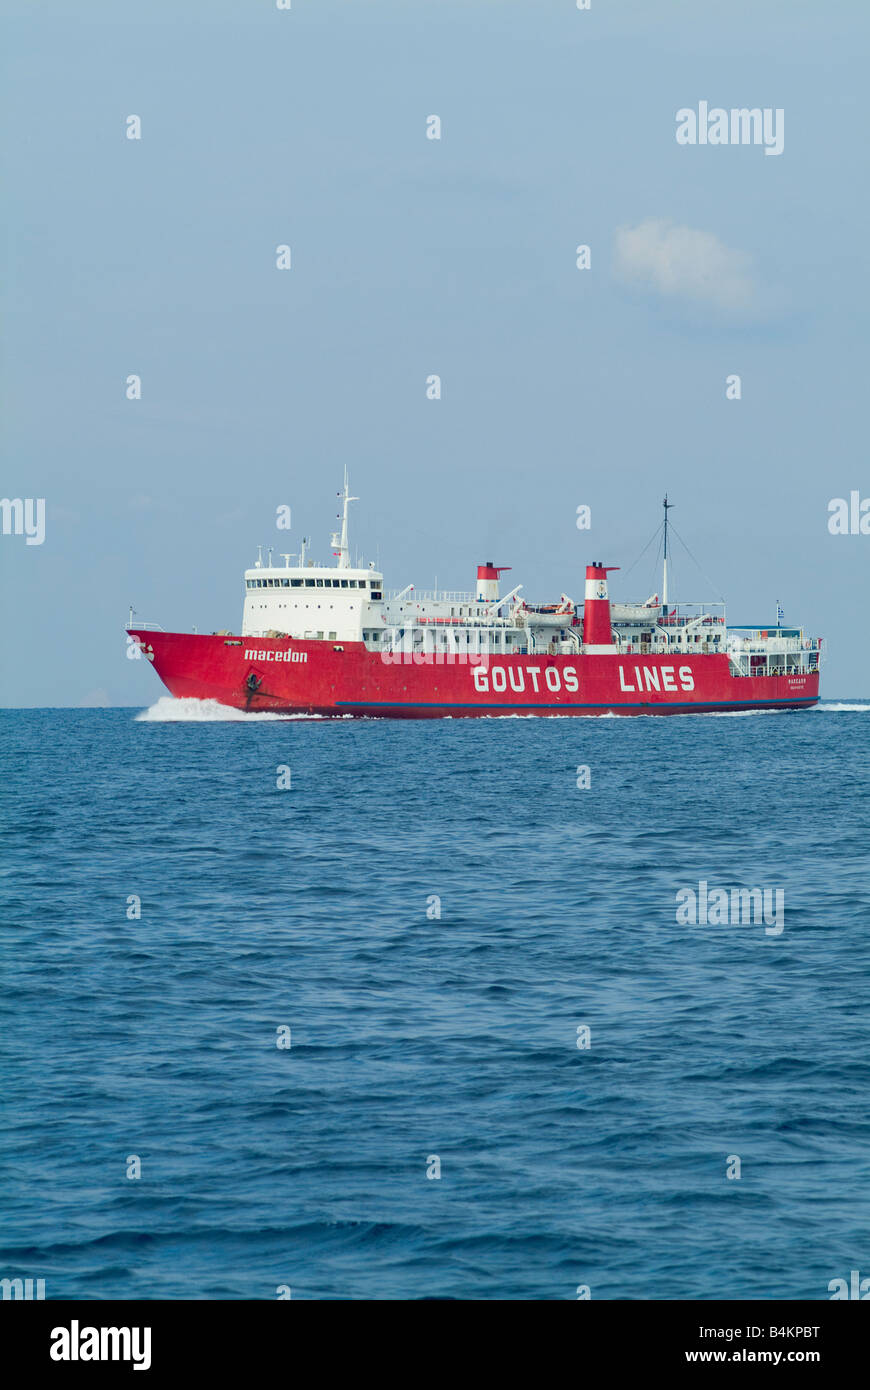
(330,640)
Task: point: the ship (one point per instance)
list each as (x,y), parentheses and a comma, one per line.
(330,640)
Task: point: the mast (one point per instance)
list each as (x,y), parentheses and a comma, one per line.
(339,542)
(667,506)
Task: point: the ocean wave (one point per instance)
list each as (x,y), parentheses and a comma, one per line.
(839,707)
(318,908)
(168,710)
(739,713)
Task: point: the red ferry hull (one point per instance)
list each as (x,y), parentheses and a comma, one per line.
(316,677)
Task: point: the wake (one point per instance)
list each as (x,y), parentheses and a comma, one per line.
(838,707)
(171,711)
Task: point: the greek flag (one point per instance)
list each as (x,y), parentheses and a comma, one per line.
(780,615)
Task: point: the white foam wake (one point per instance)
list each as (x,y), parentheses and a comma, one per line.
(171,711)
(837,707)
(168,710)
(738,713)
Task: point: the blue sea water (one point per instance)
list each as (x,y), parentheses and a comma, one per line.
(415,1035)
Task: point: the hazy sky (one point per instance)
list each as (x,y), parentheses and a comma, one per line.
(411,257)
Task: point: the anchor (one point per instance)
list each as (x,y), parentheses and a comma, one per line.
(252,685)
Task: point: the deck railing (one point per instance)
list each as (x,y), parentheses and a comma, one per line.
(431,596)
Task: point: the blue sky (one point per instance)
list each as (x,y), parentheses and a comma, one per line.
(411,257)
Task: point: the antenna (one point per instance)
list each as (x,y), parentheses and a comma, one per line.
(339,539)
(668,506)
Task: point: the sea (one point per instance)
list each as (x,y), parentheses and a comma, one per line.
(367,1009)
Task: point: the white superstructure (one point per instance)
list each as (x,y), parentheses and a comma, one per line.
(335,603)
(345,603)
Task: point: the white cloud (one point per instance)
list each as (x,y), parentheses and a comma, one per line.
(686,263)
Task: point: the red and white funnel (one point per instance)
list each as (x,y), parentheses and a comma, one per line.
(487,581)
(597,632)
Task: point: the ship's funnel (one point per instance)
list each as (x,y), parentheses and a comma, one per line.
(596,607)
(487,581)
